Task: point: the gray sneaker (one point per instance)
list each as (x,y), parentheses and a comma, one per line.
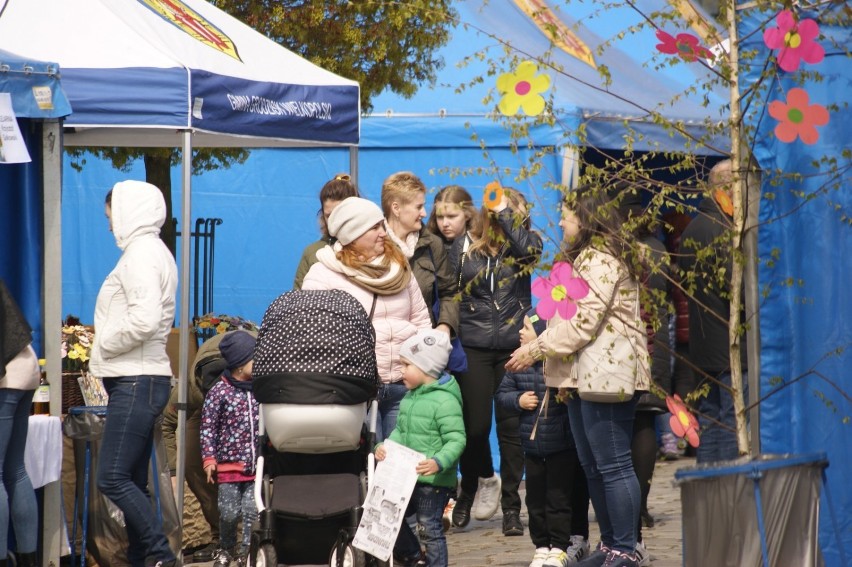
(488,495)
(578,549)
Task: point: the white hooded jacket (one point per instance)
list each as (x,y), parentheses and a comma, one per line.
(135,308)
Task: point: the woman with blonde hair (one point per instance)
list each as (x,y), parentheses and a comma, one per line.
(403,200)
(369,266)
(492,270)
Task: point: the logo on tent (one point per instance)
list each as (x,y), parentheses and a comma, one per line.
(549,23)
(191,22)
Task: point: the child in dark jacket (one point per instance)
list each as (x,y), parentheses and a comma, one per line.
(430,422)
(557,495)
(229,421)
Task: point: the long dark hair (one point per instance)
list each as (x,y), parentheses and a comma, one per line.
(600,226)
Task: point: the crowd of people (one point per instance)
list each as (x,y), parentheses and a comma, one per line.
(451,293)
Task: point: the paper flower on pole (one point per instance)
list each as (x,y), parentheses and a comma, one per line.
(684,45)
(682,422)
(522,89)
(795,40)
(798,118)
(559,292)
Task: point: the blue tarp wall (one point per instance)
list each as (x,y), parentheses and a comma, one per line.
(806,310)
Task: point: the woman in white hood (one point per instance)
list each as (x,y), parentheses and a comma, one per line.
(134,314)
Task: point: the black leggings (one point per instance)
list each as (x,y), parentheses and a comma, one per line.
(644,454)
(478,385)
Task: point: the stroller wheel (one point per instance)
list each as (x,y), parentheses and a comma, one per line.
(266,556)
(352,557)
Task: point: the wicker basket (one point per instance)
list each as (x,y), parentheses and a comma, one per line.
(71,394)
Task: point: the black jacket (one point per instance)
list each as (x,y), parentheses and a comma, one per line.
(495,295)
(708,335)
(553,433)
(430,264)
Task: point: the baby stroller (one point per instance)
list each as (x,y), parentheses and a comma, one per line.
(315,376)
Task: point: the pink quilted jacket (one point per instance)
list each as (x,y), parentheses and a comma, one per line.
(395,318)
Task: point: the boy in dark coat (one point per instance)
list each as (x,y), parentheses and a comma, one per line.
(557,495)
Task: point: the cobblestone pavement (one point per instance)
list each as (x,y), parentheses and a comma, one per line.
(483,544)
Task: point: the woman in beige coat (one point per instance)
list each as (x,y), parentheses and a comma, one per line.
(607,316)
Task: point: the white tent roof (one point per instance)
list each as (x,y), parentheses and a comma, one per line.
(137,71)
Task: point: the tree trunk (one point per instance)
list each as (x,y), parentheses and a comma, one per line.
(734,334)
(158,173)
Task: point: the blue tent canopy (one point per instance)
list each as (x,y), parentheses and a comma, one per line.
(34,86)
(610,84)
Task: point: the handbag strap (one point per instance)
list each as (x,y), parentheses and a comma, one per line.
(436,303)
(373,308)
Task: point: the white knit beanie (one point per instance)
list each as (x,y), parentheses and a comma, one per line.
(428,350)
(352,217)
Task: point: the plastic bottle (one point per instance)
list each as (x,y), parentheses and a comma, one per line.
(41,398)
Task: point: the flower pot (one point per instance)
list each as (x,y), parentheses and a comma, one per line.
(753,513)
(71,394)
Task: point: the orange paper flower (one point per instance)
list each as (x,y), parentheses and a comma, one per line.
(682,422)
(493,195)
(797,118)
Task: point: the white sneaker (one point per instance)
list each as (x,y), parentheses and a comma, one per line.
(447,518)
(579,549)
(489,498)
(643,558)
(556,558)
(539,557)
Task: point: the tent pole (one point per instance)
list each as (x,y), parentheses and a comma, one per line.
(183,359)
(570,167)
(353,164)
(52,317)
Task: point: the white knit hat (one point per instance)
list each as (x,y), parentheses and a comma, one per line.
(352,217)
(428,350)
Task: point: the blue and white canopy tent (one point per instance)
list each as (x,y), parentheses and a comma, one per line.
(179,73)
(30,256)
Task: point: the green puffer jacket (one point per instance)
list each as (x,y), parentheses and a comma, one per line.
(430,422)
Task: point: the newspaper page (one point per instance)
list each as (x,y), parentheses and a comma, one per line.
(387,499)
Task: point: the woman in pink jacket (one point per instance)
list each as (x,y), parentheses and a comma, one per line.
(368,265)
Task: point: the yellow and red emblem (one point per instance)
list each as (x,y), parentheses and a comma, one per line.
(194,24)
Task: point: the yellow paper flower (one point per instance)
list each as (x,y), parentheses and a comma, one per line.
(522,90)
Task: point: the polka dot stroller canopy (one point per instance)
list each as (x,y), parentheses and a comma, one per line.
(315,347)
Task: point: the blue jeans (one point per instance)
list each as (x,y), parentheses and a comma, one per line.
(236,499)
(427,504)
(718,442)
(16,490)
(603,434)
(390,395)
(135,402)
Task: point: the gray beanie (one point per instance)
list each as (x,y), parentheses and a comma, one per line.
(428,350)
(237,348)
(352,217)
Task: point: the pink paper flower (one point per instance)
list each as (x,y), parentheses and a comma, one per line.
(798,118)
(795,40)
(682,422)
(685,45)
(559,292)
